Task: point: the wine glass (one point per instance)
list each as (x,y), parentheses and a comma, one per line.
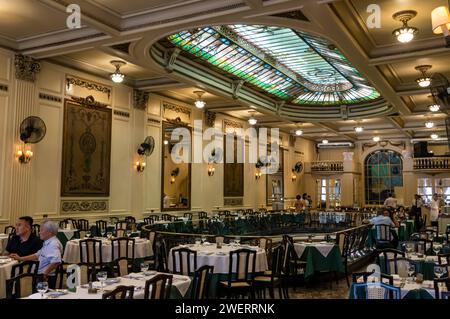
(438,271)
(411,270)
(88,234)
(144,267)
(128,232)
(203,239)
(109,235)
(102,276)
(436,249)
(237,241)
(197,242)
(42,288)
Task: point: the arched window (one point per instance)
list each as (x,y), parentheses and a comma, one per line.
(384,172)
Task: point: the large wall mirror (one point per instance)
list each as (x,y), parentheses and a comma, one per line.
(176,167)
(275,184)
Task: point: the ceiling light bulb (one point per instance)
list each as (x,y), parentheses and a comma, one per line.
(376,139)
(359,129)
(434,107)
(424,82)
(429,124)
(252,121)
(325,142)
(117,76)
(434,136)
(166,142)
(200,104)
(298,132)
(406,33)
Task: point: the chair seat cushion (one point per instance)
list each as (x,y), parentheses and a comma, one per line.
(235,284)
(264,278)
(268,272)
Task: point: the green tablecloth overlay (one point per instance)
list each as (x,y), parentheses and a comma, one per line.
(65,236)
(316,262)
(426,268)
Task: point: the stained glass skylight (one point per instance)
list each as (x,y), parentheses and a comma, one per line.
(291,65)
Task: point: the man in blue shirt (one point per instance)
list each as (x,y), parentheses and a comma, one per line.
(383,219)
(49,256)
(390,236)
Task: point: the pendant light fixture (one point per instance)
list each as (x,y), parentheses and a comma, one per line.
(117,76)
(199,103)
(424,81)
(406,33)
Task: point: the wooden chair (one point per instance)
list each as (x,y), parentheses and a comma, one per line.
(391,260)
(188,215)
(122,260)
(149,220)
(155,217)
(82,224)
(25,267)
(181,257)
(130,219)
(10,230)
(266,244)
(201,281)
(120,232)
(292,265)
(444,259)
(241,273)
(275,279)
(376,290)
(384,237)
(102,227)
(445,281)
(202,215)
(120,292)
(35,229)
(158,287)
(87,274)
(91,252)
(20,286)
(249,211)
(121,225)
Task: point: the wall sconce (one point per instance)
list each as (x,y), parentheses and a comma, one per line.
(140,166)
(211,170)
(24,157)
(258,175)
(440,19)
(293,177)
(174,174)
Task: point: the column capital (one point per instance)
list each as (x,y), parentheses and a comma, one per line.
(26,68)
(348,156)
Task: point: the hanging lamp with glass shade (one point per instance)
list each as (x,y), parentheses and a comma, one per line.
(117,76)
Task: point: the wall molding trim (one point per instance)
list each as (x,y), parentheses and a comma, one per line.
(68,206)
(90,85)
(49,97)
(122,113)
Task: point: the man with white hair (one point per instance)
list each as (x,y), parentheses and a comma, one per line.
(49,256)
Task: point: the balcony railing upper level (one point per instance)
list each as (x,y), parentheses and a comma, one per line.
(327,166)
(432,163)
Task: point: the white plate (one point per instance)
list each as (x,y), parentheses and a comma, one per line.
(110,281)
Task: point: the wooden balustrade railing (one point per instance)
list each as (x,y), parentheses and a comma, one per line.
(427,163)
(327,166)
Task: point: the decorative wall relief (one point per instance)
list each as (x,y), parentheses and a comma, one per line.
(210,118)
(173,111)
(86,148)
(26,68)
(68,206)
(140,99)
(3,87)
(81,87)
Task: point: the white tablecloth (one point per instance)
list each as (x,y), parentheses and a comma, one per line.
(138,280)
(208,255)
(323,248)
(3,243)
(72,250)
(5,273)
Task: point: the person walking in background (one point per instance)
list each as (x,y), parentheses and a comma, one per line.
(435,207)
(298,204)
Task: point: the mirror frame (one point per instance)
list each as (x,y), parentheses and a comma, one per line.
(268,199)
(164,125)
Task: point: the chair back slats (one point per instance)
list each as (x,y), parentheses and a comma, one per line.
(82,224)
(438,283)
(25,267)
(201,282)
(120,292)
(20,286)
(91,251)
(391,259)
(149,220)
(184,261)
(102,226)
(241,266)
(10,230)
(36,229)
(123,255)
(158,287)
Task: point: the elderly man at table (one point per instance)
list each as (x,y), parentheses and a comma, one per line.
(24,242)
(50,254)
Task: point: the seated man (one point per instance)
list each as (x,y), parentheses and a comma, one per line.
(385,240)
(24,242)
(49,256)
(383,219)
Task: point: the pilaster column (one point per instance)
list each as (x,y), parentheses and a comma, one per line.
(25,104)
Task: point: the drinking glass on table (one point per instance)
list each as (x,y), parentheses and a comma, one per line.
(438,271)
(436,249)
(102,276)
(128,232)
(203,239)
(197,242)
(87,234)
(237,240)
(42,288)
(109,235)
(144,267)
(411,270)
